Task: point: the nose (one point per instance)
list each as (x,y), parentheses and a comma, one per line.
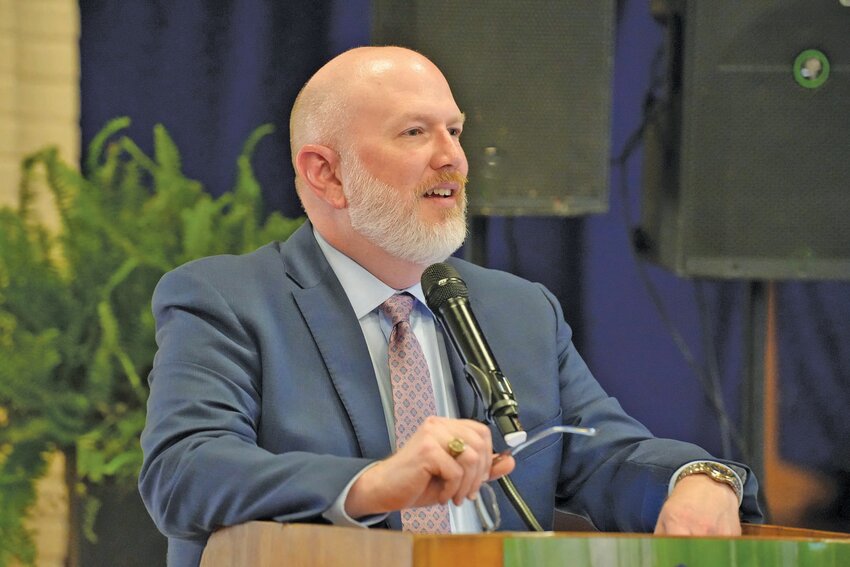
(448,153)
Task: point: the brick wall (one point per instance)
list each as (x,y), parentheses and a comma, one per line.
(39,83)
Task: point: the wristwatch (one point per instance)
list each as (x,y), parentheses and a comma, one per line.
(716,472)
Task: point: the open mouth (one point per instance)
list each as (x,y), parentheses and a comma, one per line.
(439,192)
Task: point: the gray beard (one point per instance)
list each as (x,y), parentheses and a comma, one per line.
(393,224)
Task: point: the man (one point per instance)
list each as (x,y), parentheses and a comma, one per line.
(271,396)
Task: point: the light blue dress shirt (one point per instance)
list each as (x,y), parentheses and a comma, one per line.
(366,293)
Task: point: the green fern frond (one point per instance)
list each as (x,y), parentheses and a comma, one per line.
(165,151)
(247,189)
(95,149)
(199,225)
(137,154)
(64,182)
(278,227)
(19,467)
(76,331)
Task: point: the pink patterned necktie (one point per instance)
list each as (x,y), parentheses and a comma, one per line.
(413,401)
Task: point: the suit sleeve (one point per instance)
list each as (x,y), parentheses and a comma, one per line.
(202,465)
(620,477)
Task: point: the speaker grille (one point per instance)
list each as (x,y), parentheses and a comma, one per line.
(762,162)
(534,79)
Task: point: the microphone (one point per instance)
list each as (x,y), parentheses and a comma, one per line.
(447,295)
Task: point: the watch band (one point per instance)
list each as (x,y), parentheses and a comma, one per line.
(717,472)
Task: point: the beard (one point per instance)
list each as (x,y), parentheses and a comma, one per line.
(380,213)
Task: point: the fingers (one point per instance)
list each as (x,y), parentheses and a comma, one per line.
(476,460)
(672,530)
(459,477)
(697,527)
(464,473)
(503,464)
(423,472)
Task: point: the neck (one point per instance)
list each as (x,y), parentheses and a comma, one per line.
(393,271)
(396,273)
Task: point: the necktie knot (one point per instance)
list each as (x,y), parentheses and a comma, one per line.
(398,307)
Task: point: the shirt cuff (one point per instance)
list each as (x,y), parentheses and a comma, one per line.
(735,470)
(336,513)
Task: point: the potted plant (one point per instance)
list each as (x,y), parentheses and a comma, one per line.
(76,331)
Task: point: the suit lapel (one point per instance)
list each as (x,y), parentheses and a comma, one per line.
(339,338)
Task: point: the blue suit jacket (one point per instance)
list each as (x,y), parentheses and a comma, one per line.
(264,402)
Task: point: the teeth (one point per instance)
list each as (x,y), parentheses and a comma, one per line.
(439,191)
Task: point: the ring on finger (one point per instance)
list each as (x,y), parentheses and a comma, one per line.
(455,447)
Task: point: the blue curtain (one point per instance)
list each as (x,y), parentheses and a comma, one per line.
(211,72)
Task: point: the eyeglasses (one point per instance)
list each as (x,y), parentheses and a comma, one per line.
(486,505)
(487,509)
(586,431)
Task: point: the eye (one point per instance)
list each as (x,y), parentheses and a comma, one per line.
(413,132)
(455,132)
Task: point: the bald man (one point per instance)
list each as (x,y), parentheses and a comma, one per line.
(271,395)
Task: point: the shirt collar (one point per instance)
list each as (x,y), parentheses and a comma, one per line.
(365,292)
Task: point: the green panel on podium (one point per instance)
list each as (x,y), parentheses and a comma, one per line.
(670,552)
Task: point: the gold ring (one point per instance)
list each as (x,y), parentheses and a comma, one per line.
(456,447)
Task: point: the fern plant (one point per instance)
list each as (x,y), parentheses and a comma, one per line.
(76,332)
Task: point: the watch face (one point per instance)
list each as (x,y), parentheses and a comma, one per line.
(719,471)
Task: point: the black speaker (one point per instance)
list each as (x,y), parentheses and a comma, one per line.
(534,80)
(747,155)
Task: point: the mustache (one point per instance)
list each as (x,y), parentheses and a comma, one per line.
(443,177)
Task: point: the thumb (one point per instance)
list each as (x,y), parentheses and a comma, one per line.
(503,464)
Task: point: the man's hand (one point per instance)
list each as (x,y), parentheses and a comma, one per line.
(423,473)
(699,506)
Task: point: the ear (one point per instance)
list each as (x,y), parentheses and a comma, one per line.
(318,166)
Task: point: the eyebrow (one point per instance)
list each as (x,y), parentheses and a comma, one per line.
(429,118)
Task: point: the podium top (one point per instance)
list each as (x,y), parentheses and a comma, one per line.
(267,544)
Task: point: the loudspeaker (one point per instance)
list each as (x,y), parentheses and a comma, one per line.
(534,80)
(747,152)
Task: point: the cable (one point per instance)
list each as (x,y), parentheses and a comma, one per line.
(519,504)
(713,373)
(709,381)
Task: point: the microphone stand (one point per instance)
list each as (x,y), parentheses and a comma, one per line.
(519,504)
(505,419)
(446,291)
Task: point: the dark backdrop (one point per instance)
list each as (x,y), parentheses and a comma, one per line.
(213,71)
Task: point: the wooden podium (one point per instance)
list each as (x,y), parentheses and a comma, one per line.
(268,544)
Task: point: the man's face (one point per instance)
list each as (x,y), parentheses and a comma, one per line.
(392,220)
(404,175)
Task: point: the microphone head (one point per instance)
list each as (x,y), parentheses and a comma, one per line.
(441,282)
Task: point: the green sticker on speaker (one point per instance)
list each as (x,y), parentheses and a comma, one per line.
(811,68)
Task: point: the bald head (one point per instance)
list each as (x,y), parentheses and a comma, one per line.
(380,170)
(325,106)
